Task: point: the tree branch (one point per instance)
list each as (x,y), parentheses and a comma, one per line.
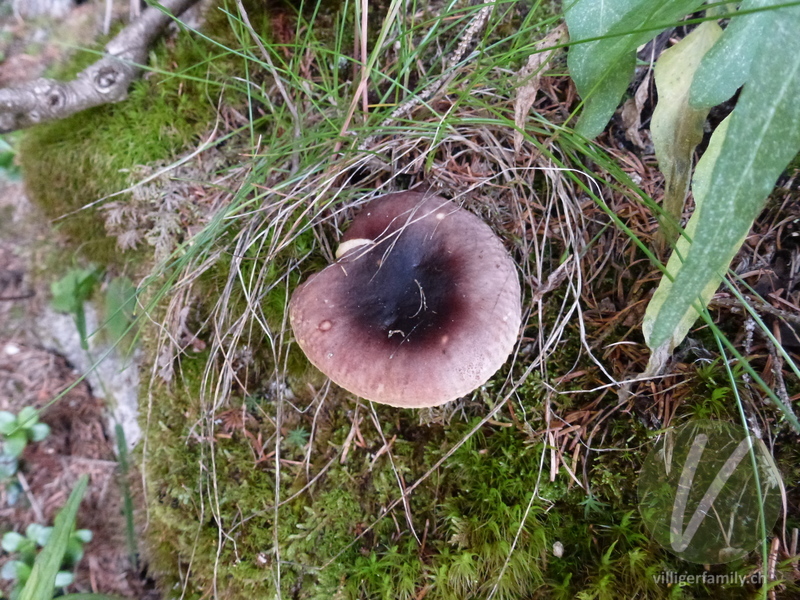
(103,82)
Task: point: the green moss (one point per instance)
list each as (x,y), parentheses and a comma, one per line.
(470,513)
(335,539)
(481,523)
(76,161)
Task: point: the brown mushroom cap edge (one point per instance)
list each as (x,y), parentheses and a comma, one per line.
(421,307)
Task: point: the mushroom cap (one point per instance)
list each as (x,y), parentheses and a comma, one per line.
(421,307)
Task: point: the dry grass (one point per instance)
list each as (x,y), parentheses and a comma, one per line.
(557,235)
(581,277)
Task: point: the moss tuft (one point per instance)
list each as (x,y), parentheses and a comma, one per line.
(70,163)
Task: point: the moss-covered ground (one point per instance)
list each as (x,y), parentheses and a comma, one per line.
(75,162)
(262,479)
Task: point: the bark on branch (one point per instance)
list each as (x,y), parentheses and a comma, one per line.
(103,82)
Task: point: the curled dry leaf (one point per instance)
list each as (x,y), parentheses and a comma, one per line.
(632,113)
(531,74)
(677,128)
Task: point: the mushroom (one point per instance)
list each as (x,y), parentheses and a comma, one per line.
(421,307)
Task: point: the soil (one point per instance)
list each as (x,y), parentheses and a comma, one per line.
(81,440)
(38,361)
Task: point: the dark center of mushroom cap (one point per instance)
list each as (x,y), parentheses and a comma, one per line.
(412,290)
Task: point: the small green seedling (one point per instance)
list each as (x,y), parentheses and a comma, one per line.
(26,548)
(62,549)
(297,438)
(9,169)
(71,291)
(15,433)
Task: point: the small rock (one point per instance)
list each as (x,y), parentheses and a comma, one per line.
(558,549)
(11,349)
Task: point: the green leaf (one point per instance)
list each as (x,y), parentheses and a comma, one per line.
(762,138)
(38,533)
(69,294)
(15,443)
(602,68)
(602,99)
(27,417)
(48,563)
(74,552)
(13,488)
(677,128)
(8,422)
(39,432)
(8,165)
(72,290)
(11,541)
(8,467)
(700,187)
(27,551)
(119,307)
(83,535)
(9,570)
(23,571)
(727,65)
(15,570)
(64,578)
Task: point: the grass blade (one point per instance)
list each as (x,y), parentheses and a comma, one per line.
(42,580)
(127,508)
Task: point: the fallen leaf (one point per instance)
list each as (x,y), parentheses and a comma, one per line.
(632,113)
(676,127)
(531,74)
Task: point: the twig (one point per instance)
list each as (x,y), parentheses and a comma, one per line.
(105,81)
(759,305)
(772,562)
(107,17)
(25,296)
(37,510)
